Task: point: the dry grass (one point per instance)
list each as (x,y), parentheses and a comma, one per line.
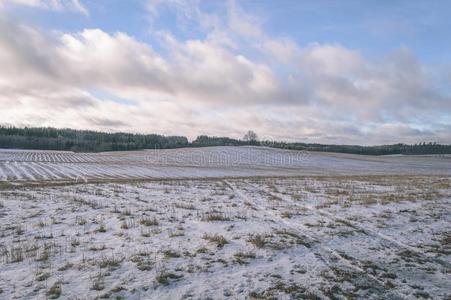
(148,221)
(214,216)
(219,240)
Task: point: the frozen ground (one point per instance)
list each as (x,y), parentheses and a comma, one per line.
(338,237)
(37,166)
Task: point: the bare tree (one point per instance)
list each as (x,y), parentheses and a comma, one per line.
(250,136)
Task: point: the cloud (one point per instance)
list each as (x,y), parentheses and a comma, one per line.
(77,6)
(108,123)
(195,70)
(54,5)
(234,78)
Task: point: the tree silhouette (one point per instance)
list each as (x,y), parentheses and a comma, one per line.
(250,136)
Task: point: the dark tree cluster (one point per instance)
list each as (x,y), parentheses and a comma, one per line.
(421,148)
(208,141)
(83,140)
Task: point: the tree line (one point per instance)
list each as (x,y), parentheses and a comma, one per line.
(419,148)
(47,138)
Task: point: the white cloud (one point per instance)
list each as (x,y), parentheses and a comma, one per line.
(55,5)
(235,78)
(78,6)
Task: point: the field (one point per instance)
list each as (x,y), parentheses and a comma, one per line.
(216,223)
(211,162)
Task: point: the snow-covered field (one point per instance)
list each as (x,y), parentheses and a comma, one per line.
(23,165)
(365,237)
(224,222)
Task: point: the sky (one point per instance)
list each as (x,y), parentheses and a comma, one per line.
(341,72)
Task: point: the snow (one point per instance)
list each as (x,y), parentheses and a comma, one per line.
(224,222)
(23,165)
(364,237)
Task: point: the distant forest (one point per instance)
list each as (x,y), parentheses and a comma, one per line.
(93,141)
(83,140)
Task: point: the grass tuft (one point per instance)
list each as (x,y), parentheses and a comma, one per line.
(217,239)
